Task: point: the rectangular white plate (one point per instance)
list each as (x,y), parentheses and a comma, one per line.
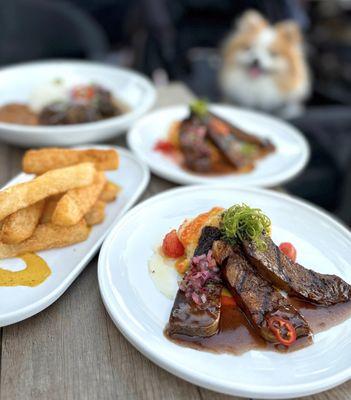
(20,302)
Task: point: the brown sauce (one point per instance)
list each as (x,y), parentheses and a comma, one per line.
(17,113)
(236,335)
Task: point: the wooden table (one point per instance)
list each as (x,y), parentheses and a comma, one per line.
(72,350)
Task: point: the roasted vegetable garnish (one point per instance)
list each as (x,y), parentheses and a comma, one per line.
(241,222)
(199,108)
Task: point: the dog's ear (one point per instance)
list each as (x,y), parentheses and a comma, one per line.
(251,20)
(290,31)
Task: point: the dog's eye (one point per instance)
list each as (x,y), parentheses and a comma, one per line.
(245,47)
(273,53)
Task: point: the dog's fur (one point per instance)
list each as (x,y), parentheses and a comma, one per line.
(264,66)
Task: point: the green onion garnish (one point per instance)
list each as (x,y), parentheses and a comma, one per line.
(199,108)
(241,222)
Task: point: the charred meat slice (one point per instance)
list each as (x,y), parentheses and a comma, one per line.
(239,147)
(196,150)
(295,279)
(201,317)
(257,298)
(190,319)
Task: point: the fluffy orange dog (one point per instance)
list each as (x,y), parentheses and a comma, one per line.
(264,66)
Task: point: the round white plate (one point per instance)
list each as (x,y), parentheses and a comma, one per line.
(18,303)
(290,157)
(18,82)
(141,312)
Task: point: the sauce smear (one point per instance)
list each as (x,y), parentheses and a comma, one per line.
(35,273)
(236,335)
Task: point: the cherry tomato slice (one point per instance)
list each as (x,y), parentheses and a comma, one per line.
(288,249)
(171,246)
(164,146)
(83,92)
(283,330)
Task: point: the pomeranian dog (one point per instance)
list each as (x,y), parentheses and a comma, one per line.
(264,67)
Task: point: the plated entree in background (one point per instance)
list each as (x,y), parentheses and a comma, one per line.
(60,103)
(205,143)
(238,290)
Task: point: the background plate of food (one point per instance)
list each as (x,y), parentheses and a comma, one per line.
(65,103)
(201,289)
(54,218)
(218,143)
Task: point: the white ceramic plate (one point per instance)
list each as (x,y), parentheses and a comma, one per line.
(18,303)
(290,157)
(18,82)
(141,312)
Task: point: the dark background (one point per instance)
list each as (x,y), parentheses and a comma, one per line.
(179,40)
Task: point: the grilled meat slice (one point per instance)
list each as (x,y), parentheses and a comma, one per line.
(258,299)
(188,318)
(208,235)
(295,279)
(239,147)
(192,319)
(196,150)
(245,136)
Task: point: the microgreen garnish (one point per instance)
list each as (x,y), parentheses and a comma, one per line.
(241,222)
(199,108)
(248,149)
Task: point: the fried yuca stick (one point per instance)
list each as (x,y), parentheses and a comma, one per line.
(49,208)
(40,161)
(96,214)
(60,180)
(47,236)
(74,204)
(110,192)
(20,225)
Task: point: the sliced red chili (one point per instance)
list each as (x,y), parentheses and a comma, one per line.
(283,330)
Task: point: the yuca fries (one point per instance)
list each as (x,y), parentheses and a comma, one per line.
(20,225)
(110,192)
(40,161)
(47,236)
(73,205)
(96,214)
(49,208)
(60,180)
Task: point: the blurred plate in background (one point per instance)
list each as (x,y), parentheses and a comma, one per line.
(17,84)
(291,155)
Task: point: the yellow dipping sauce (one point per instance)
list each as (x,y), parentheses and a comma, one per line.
(34,274)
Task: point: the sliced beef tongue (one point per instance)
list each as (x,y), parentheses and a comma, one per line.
(196,309)
(196,150)
(257,298)
(295,279)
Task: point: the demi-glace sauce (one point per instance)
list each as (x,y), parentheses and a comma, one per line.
(237,336)
(35,272)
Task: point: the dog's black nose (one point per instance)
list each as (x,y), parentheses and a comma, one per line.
(255,63)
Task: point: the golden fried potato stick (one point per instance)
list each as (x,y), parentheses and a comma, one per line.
(60,180)
(47,236)
(20,225)
(74,204)
(49,208)
(110,192)
(96,214)
(43,160)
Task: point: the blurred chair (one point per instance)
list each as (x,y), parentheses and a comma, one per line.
(39,29)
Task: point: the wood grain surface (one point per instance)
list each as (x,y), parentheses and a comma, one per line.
(72,350)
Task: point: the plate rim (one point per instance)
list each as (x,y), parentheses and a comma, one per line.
(222,386)
(106,123)
(38,306)
(190,179)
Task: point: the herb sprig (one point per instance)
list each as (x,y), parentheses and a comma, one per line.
(199,108)
(241,222)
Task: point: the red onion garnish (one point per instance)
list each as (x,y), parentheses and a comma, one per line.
(195,284)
